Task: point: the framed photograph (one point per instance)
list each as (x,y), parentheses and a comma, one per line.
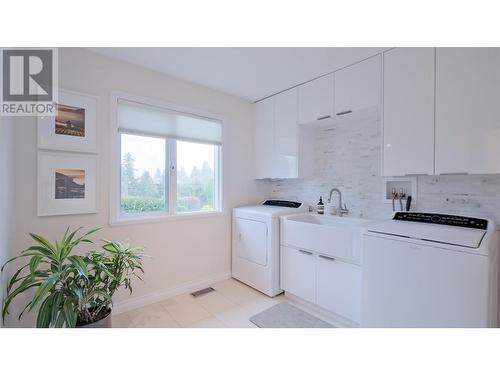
(66,183)
(73,128)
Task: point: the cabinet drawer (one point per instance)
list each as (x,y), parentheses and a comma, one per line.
(339,287)
(298,273)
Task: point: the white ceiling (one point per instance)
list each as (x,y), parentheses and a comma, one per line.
(250,73)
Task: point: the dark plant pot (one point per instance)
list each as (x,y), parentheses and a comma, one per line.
(104,322)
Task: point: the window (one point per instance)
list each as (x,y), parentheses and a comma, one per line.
(169,162)
(197,181)
(142,174)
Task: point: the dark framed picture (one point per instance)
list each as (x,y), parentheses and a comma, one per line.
(66,183)
(70,184)
(70,121)
(73,128)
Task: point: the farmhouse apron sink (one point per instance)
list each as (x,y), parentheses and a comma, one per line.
(339,237)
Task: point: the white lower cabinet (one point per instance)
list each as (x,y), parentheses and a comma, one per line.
(330,283)
(298,273)
(338,287)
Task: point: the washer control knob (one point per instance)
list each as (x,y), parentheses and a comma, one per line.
(435,219)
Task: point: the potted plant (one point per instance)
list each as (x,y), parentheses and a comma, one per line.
(73,290)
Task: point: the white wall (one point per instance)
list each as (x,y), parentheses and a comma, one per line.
(348,156)
(185,252)
(5,197)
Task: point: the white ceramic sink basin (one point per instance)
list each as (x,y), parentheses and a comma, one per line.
(338,237)
(329,220)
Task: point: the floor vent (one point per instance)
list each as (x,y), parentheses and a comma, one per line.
(202,292)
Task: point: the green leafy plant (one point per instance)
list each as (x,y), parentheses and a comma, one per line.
(71,290)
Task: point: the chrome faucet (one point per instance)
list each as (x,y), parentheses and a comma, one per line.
(341,210)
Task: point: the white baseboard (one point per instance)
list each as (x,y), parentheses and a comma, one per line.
(147,299)
(328,316)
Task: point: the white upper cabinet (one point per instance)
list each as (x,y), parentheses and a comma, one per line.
(286,134)
(357,87)
(408,112)
(316,101)
(441,113)
(264,138)
(467,110)
(282,148)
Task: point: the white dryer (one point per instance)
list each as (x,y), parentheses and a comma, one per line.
(430,270)
(256,243)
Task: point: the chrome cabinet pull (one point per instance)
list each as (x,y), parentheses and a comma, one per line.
(306,252)
(323,118)
(344,112)
(332,259)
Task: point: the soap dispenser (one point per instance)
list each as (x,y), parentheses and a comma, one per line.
(321,206)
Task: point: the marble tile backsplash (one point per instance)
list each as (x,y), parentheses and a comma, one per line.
(348,156)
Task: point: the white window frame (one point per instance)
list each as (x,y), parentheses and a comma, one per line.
(119,218)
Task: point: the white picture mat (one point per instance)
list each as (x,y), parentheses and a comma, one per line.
(48,162)
(47,137)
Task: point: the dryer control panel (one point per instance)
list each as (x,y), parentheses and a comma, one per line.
(280,203)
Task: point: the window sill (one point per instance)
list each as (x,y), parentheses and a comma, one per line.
(166,218)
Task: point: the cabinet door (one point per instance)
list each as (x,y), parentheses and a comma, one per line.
(316,100)
(264,139)
(339,287)
(286,134)
(298,273)
(408,119)
(357,87)
(467,110)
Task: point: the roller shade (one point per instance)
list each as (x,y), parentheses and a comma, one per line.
(144,119)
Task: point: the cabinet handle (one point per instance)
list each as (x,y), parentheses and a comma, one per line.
(416,174)
(305,252)
(323,118)
(454,173)
(327,258)
(344,113)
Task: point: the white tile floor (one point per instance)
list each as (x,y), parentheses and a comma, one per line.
(230,305)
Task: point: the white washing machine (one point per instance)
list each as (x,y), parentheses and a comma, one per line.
(256,244)
(430,270)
